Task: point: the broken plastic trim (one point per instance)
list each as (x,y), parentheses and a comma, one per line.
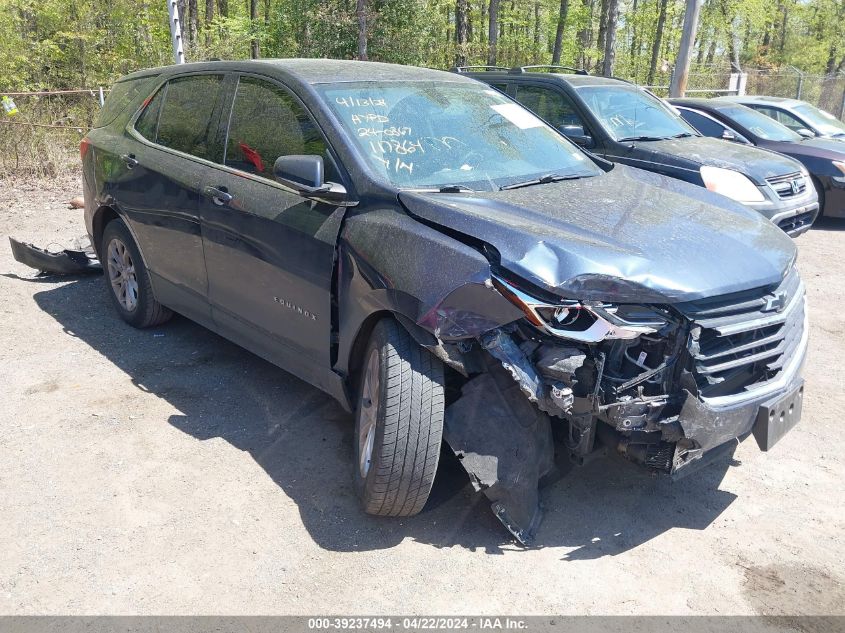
(605,325)
(65,262)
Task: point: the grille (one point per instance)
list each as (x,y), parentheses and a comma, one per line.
(744,340)
(789,185)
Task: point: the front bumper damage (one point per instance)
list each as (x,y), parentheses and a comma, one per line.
(653,413)
(68,261)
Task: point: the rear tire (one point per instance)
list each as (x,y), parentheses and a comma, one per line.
(398,423)
(128,280)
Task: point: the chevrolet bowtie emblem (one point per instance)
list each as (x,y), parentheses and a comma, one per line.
(775,302)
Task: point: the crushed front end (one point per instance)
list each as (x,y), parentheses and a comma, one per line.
(667,386)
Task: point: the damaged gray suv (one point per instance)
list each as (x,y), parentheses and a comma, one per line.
(449,267)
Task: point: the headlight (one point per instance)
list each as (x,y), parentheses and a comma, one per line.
(582,322)
(732,184)
(840,165)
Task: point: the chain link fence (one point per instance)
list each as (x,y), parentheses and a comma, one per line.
(824,91)
(42,137)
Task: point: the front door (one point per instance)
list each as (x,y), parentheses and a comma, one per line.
(269,252)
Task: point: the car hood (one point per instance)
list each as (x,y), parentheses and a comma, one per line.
(628,235)
(829,148)
(758,164)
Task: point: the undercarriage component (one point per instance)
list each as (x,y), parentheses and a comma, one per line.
(506,446)
(64,262)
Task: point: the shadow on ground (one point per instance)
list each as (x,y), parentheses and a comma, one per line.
(303,440)
(829,224)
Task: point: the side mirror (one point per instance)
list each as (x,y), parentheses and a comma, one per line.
(577,135)
(805,132)
(729,136)
(304,174)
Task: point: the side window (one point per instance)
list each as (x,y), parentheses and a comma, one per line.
(784,118)
(147,123)
(185,122)
(503,88)
(268,122)
(703,124)
(552,106)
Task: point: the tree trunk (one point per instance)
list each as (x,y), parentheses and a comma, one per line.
(605,8)
(610,38)
(536,31)
(481,30)
(658,40)
(253,17)
(193,21)
(361,13)
(223,8)
(561,26)
(493,33)
(461,31)
(585,35)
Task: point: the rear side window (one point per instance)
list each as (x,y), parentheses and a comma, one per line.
(185,122)
(268,122)
(122,94)
(551,106)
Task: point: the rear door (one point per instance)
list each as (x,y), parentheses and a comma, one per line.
(269,252)
(158,186)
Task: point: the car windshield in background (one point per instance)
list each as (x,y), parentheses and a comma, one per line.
(444,135)
(823,121)
(629,114)
(759,124)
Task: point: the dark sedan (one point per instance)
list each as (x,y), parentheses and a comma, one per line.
(823,158)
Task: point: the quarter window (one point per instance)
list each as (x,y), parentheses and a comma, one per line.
(147,123)
(186,122)
(266,123)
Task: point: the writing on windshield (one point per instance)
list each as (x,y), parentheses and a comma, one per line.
(449,134)
(628,113)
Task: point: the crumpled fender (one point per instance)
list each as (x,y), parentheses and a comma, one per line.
(390,262)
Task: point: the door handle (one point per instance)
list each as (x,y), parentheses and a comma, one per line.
(218,196)
(129,159)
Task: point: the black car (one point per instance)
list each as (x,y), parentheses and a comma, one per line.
(442,262)
(626,124)
(823,158)
(799,116)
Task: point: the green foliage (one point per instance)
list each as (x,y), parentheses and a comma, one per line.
(81,43)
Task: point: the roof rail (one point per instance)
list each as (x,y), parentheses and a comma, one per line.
(518,70)
(463,69)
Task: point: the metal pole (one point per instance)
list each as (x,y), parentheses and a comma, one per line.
(842,107)
(102,98)
(681,74)
(175,32)
(800,89)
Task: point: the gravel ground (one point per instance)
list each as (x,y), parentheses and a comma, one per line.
(170,472)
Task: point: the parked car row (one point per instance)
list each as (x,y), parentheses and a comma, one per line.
(447,265)
(822,156)
(623,123)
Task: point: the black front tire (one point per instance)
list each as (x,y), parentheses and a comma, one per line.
(128,280)
(400,418)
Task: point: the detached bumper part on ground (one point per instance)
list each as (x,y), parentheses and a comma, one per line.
(64,262)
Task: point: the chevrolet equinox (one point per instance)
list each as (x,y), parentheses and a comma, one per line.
(447,266)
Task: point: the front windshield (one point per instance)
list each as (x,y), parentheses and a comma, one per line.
(442,134)
(823,121)
(759,124)
(629,114)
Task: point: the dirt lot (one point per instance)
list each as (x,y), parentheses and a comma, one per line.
(170,472)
